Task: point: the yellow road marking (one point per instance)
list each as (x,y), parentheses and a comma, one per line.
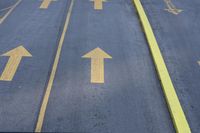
(98,4)
(97,64)
(172,8)
(13,62)
(9,12)
(53,72)
(180,123)
(45,4)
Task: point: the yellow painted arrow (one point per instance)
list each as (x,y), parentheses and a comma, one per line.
(45,4)
(97,64)
(13,62)
(98,4)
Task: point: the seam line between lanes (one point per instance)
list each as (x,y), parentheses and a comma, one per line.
(10,11)
(53,72)
(178,117)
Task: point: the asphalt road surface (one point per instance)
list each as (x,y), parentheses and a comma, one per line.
(178,38)
(79,66)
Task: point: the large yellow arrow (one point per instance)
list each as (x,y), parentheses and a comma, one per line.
(13,62)
(97,64)
(98,4)
(45,4)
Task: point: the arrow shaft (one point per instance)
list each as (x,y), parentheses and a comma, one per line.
(97,71)
(45,4)
(10,68)
(98,4)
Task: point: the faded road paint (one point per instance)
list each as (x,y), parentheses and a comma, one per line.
(97,64)
(15,57)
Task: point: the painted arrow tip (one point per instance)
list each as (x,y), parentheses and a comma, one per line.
(18,51)
(97,53)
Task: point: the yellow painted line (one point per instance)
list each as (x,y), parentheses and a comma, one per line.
(171,8)
(179,120)
(45,4)
(9,12)
(13,62)
(97,64)
(53,72)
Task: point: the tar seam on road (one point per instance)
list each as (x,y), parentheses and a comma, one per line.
(40,120)
(179,120)
(9,12)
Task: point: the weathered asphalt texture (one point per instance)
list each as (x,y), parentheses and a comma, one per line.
(178,38)
(131,100)
(38,31)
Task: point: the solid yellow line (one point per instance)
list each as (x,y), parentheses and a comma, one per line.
(179,120)
(53,72)
(10,11)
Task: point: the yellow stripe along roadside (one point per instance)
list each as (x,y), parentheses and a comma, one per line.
(39,123)
(179,120)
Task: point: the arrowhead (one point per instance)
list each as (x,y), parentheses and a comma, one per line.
(19,51)
(97,53)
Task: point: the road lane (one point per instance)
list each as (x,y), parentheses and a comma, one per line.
(47,93)
(130,100)
(178,37)
(37,31)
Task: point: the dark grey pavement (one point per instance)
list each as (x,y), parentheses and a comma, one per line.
(178,38)
(130,100)
(38,31)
